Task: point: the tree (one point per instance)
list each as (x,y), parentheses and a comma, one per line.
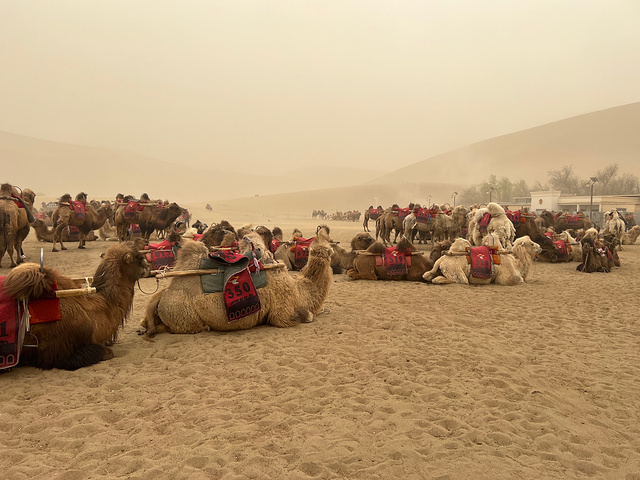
(564,180)
(627,184)
(605,176)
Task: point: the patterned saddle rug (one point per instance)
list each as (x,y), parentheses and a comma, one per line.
(561,250)
(423,215)
(397,262)
(240,296)
(301,251)
(78,208)
(481,260)
(484,223)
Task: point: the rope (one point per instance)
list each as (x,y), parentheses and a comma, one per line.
(157,287)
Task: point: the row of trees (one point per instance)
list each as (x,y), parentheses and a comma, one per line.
(564,180)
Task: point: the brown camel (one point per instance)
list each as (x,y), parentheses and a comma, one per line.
(287,251)
(390,221)
(342,260)
(87,323)
(367,267)
(563,221)
(285,301)
(371,214)
(65,216)
(158,218)
(14,220)
(45,234)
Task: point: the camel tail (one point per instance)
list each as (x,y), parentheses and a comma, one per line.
(27,281)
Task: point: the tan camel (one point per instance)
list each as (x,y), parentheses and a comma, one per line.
(45,234)
(87,323)
(286,301)
(64,216)
(14,220)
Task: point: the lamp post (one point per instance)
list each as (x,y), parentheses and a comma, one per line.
(591,183)
(428,201)
(490,193)
(454,195)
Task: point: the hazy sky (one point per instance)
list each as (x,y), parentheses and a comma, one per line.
(367,83)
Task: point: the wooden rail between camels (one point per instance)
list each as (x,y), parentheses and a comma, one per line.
(76,292)
(364,252)
(209,271)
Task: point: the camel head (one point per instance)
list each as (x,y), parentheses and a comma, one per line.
(321,247)
(460,245)
(277,233)
(361,241)
(531,247)
(66,198)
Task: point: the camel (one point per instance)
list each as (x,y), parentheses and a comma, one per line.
(88,323)
(563,221)
(439,248)
(411,226)
(367,266)
(573,246)
(371,214)
(513,269)
(498,223)
(46,234)
(14,221)
(630,237)
(389,221)
(285,301)
(154,218)
(615,224)
(64,216)
(286,252)
(342,260)
(596,256)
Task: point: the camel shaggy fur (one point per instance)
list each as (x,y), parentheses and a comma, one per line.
(88,323)
(286,301)
(499,224)
(514,268)
(615,224)
(342,260)
(14,221)
(365,268)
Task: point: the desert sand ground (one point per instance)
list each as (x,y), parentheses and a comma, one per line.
(393,380)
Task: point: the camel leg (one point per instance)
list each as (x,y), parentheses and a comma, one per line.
(81,240)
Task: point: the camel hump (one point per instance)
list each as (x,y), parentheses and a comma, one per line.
(27,281)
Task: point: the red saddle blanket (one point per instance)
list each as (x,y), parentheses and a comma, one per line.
(131,209)
(396,261)
(134,229)
(481,262)
(484,222)
(375,213)
(401,213)
(73,232)
(78,208)
(161,255)
(41,216)
(240,296)
(515,217)
(423,214)
(562,251)
(301,251)
(574,220)
(274,245)
(10,330)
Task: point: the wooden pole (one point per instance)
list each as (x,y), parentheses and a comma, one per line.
(75,292)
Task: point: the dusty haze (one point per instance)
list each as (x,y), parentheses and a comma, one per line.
(269,85)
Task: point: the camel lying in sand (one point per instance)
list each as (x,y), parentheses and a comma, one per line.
(286,301)
(367,266)
(630,237)
(87,323)
(513,269)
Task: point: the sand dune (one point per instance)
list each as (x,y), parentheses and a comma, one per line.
(589,142)
(394,380)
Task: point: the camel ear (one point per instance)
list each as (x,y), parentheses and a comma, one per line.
(102,255)
(128,258)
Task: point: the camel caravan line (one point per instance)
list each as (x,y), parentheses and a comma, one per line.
(221,278)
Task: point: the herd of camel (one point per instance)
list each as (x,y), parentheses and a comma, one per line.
(89,321)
